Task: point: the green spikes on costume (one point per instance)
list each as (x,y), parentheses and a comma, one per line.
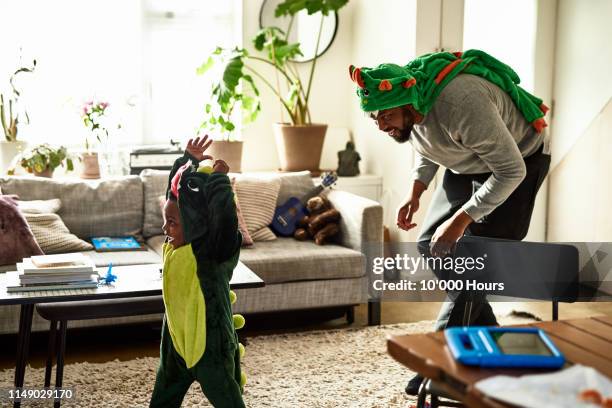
(420,82)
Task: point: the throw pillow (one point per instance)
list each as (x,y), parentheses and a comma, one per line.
(257,197)
(154,184)
(40,206)
(53,236)
(16,238)
(247,240)
(48,228)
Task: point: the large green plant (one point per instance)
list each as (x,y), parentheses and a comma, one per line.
(235,86)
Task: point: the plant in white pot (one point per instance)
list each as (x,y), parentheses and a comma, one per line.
(11,114)
(299,142)
(42,160)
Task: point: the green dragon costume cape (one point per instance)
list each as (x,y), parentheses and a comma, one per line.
(420,82)
(199,341)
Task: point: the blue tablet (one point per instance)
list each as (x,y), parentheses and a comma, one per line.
(503,347)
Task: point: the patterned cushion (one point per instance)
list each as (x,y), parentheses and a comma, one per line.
(257,197)
(154,183)
(296,184)
(53,236)
(247,241)
(108,207)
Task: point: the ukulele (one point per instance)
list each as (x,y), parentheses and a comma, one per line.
(286,216)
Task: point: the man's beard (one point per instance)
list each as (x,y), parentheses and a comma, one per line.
(404,135)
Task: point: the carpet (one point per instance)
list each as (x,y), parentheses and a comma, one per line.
(335,368)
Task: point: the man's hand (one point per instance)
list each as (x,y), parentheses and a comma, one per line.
(409,206)
(448,233)
(196,147)
(220,167)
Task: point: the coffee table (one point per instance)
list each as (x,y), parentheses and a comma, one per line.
(582,341)
(132,281)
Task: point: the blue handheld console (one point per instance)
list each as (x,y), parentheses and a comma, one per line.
(503,347)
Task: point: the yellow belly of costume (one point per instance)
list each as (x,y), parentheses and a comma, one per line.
(184,302)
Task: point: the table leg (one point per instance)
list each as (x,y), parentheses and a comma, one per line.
(23,345)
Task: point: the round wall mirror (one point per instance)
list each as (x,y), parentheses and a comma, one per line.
(303,30)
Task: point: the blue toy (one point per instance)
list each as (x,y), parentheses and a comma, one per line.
(503,347)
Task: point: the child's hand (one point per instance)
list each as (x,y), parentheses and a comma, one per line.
(220,167)
(196,147)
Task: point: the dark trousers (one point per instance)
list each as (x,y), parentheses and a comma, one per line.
(508,221)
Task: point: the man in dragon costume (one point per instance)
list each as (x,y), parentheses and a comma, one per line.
(199,341)
(467,113)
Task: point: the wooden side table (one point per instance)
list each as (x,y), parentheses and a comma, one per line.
(582,341)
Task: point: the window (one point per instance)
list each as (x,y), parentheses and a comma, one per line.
(140,55)
(506,30)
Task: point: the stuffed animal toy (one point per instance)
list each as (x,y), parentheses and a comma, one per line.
(321,223)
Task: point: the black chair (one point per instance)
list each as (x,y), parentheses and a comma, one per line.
(550,269)
(64,312)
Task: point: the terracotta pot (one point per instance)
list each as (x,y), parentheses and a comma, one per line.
(91,166)
(231,152)
(48,172)
(8,151)
(299,147)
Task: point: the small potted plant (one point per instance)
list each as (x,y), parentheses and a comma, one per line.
(92,114)
(299,142)
(11,116)
(43,159)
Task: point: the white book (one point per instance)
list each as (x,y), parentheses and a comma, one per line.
(59,260)
(27,266)
(76,277)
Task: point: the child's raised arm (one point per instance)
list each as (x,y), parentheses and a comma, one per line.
(195,152)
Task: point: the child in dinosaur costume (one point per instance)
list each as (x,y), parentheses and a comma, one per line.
(199,341)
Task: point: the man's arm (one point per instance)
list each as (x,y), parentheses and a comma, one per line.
(424,170)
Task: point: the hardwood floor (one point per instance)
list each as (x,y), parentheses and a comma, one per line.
(131,341)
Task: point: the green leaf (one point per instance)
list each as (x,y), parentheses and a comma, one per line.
(202,69)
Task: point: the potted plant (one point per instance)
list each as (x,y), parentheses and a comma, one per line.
(300,141)
(43,159)
(92,114)
(11,114)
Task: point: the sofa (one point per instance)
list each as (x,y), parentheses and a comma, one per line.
(298,275)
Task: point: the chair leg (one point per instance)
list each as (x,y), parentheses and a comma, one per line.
(350,315)
(374,312)
(50,353)
(422,394)
(555,310)
(61,349)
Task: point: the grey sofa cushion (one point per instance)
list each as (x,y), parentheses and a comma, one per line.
(296,184)
(89,207)
(289,260)
(154,184)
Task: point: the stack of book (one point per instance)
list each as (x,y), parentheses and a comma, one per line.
(61,271)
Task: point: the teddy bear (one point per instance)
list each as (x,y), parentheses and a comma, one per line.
(321,223)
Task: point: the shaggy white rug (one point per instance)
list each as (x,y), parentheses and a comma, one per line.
(337,368)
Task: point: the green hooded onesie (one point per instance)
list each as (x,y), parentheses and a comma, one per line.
(199,341)
(420,82)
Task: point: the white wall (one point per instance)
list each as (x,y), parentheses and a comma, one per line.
(383,31)
(582,83)
(329,94)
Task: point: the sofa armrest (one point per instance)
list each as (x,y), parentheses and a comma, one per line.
(361,223)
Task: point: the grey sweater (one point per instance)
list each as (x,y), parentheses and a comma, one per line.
(474,127)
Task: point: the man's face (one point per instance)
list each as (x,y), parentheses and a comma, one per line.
(396,122)
(172,224)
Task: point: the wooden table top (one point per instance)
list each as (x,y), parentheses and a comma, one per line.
(132,281)
(583,341)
